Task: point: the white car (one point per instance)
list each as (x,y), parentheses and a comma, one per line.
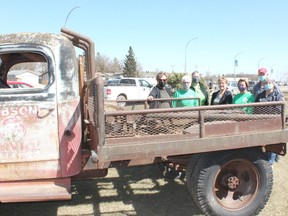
(128,89)
(233,87)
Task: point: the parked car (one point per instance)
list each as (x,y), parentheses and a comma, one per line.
(233,87)
(19,84)
(251,84)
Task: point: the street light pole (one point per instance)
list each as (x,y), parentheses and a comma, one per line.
(271,68)
(235,64)
(69,14)
(186,51)
(259,62)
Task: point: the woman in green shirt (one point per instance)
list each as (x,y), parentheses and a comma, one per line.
(244,96)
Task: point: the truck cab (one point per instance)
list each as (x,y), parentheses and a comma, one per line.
(40,126)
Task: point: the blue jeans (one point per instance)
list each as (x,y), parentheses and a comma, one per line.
(272,157)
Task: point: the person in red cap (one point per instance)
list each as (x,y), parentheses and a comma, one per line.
(260,86)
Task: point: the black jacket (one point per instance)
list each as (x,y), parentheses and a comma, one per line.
(225,99)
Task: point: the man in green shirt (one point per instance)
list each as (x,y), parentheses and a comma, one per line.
(200,90)
(185,92)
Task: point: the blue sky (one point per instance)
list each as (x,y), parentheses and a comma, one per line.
(159,31)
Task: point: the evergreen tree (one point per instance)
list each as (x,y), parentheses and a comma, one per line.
(174,80)
(130,65)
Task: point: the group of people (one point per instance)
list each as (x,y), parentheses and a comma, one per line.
(265,90)
(189,89)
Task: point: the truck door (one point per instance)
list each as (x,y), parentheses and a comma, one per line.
(144,89)
(29,143)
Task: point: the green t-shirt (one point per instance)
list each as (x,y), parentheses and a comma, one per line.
(244,98)
(180,93)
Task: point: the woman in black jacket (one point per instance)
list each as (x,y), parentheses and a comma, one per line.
(223,95)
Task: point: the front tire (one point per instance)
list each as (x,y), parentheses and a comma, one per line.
(230,183)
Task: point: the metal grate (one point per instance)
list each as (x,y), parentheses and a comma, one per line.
(134,120)
(91,103)
(150,124)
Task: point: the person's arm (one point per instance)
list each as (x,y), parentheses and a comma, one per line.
(229,99)
(213,97)
(205,93)
(279,97)
(276,87)
(195,101)
(234,99)
(251,99)
(153,93)
(174,102)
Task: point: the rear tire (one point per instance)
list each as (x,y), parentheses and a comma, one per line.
(121,97)
(230,183)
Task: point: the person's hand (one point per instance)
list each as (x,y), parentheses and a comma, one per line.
(150,98)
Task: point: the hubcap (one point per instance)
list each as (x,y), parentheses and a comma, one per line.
(236,184)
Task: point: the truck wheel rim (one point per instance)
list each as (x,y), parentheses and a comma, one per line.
(236,184)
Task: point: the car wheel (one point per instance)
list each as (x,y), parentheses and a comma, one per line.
(119,98)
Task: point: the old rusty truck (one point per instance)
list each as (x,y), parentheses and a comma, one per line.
(62,130)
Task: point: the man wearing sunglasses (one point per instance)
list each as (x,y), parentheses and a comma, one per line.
(160,91)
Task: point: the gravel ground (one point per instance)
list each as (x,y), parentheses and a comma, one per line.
(139,191)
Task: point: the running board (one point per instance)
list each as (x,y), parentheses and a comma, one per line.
(35,190)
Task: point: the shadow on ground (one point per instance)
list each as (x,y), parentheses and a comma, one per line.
(125,191)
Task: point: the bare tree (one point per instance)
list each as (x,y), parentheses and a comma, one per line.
(105,65)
